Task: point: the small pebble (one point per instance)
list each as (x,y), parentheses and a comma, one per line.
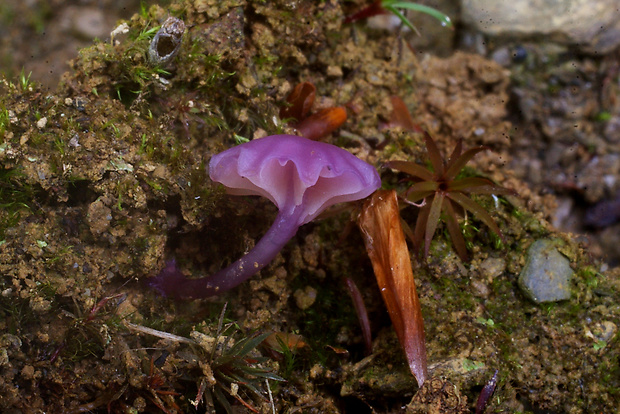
(41,123)
(304,298)
(546,275)
(492,267)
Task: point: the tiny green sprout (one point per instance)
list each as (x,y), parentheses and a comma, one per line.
(240,140)
(469,365)
(143,141)
(146,33)
(24,81)
(603,116)
(486,322)
(289,356)
(393,6)
(60,146)
(598,345)
(144,9)
(5,121)
(591,276)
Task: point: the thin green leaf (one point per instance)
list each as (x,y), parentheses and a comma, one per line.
(242,347)
(208,395)
(266,374)
(252,343)
(224,346)
(250,386)
(469,204)
(222,399)
(411,168)
(402,18)
(220,324)
(225,378)
(443,19)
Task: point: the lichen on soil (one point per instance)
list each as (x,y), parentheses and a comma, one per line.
(103,180)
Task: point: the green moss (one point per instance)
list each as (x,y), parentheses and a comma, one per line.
(590,276)
(16,314)
(5,120)
(333,310)
(16,198)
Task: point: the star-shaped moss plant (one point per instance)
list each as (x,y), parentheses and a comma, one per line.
(443,193)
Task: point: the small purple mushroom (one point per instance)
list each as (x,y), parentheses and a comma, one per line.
(301,177)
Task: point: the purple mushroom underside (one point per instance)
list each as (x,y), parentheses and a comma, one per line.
(300,176)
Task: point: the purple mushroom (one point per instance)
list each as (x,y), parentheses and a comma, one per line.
(301,177)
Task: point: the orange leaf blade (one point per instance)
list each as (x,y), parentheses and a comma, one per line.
(385,243)
(322,123)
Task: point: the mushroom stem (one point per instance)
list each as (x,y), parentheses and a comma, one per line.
(171,282)
(301,177)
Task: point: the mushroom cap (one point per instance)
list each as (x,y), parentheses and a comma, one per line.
(294,173)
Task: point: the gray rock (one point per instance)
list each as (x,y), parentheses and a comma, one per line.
(85,22)
(546,275)
(592,24)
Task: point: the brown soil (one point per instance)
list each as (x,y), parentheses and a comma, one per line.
(103,180)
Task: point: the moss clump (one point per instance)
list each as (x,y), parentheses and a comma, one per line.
(104,179)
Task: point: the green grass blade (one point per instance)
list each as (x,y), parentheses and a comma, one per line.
(443,19)
(402,18)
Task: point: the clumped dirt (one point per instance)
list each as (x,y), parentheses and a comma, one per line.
(103,181)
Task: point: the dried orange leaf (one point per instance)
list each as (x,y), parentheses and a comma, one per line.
(323,123)
(292,342)
(401,117)
(299,102)
(385,243)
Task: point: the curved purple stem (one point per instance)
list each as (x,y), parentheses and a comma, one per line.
(171,282)
(486,394)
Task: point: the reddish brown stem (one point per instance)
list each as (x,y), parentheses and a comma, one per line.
(374,9)
(362,313)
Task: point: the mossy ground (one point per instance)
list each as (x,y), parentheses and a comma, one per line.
(104,180)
